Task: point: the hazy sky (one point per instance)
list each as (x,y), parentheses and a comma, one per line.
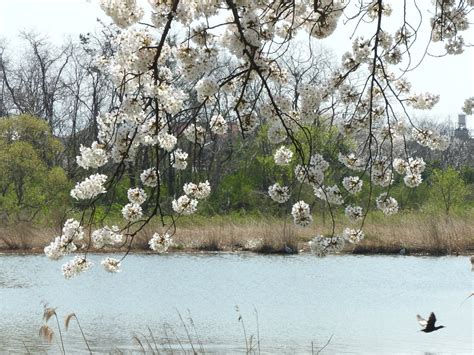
(451,77)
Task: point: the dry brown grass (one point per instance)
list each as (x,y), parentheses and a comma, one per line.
(419,234)
(415,233)
(257,236)
(25,237)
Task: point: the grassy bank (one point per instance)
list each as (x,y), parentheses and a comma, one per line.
(414,233)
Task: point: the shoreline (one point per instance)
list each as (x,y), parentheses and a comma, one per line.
(405,234)
(357,250)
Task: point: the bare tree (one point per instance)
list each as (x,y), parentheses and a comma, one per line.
(60,84)
(34,83)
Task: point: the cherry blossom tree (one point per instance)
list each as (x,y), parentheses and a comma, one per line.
(171,92)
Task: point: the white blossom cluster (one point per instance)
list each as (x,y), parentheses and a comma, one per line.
(150,177)
(412,170)
(133,211)
(123,12)
(59,247)
(180,157)
(301,214)
(187,204)
(167,141)
(353,184)
(331,194)
(468,106)
(206,88)
(400,165)
(352,162)
(387,204)
(455,45)
(184,205)
(72,232)
(353,236)
(93,157)
(136,195)
(283,156)
(279,193)
(321,245)
(448,21)
(381,173)
(354,213)
(424,101)
(160,242)
(137,44)
(412,180)
(218,125)
(430,139)
(107,236)
(314,172)
(91,187)
(76,266)
(199,191)
(111,264)
(195,134)
(324,18)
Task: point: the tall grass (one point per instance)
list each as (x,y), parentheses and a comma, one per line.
(273,236)
(150,343)
(25,237)
(416,233)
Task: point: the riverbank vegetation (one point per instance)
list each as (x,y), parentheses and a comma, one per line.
(416,233)
(41,138)
(436,218)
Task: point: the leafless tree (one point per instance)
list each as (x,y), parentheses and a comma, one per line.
(33,83)
(60,84)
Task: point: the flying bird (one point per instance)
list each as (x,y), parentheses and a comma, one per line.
(429,325)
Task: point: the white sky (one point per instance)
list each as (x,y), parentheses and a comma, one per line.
(451,77)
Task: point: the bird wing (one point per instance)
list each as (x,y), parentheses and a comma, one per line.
(422,321)
(431,320)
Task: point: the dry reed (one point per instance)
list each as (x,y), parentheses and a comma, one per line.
(411,233)
(429,234)
(187,343)
(25,237)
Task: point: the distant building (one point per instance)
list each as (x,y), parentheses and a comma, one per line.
(462,132)
(461,151)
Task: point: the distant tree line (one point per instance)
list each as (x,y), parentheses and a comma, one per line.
(51,96)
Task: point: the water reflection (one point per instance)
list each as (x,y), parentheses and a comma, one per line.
(368,304)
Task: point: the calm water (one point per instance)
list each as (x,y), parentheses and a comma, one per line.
(367,303)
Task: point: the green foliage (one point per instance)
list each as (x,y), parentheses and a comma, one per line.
(409,198)
(30,185)
(467,173)
(33,187)
(35,132)
(237,192)
(448,190)
(245,188)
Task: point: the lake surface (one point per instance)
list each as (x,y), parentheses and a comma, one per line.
(366,303)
